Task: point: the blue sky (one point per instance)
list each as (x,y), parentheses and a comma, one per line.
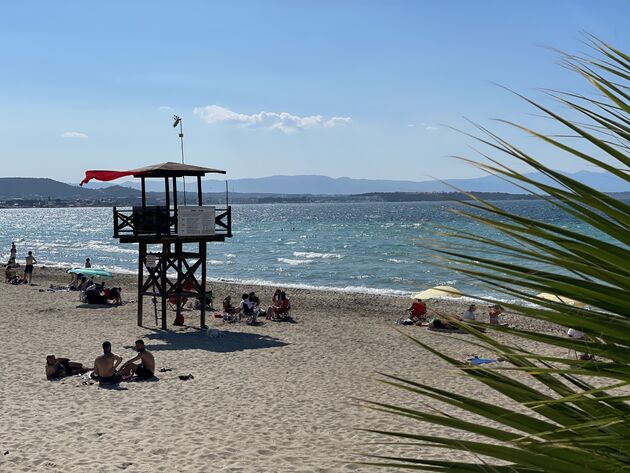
(339,88)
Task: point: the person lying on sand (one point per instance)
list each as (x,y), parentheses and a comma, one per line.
(106,364)
(143,370)
(60,367)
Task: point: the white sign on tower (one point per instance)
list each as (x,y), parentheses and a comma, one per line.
(195,220)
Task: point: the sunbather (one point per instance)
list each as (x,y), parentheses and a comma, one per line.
(249,308)
(280,309)
(95,294)
(418,311)
(230,313)
(106,364)
(470,315)
(228,308)
(443,324)
(143,370)
(493,314)
(113,294)
(60,367)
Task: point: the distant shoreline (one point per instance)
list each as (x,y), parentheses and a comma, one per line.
(244,199)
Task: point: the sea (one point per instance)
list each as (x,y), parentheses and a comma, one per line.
(375,248)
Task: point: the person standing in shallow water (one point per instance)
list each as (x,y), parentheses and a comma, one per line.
(13,254)
(28,268)
(88,263)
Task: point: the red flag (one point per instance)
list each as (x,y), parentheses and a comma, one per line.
(104,175)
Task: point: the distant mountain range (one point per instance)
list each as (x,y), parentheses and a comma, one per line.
(323,185)
(279,188)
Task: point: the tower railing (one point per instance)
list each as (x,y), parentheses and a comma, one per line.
(159,222)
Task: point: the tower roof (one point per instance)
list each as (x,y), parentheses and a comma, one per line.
(170,169)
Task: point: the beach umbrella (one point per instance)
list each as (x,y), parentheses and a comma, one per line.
(563,300)
(438,291)
(91,272)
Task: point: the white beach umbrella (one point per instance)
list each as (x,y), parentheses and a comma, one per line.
(438,291)
(563,300)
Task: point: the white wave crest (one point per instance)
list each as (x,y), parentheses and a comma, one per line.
(294,262)
(314,255)
(346,289)
(398,261)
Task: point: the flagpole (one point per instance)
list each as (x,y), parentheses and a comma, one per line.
(178,121)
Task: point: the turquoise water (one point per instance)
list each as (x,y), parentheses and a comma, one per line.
(366,247)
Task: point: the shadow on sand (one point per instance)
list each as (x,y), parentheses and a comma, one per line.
(112,387)
(221,342)
(85,305)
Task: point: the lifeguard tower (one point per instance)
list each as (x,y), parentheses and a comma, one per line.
(171,238)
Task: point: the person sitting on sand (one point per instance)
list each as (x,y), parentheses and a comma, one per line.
(228,308)
(418,311)
(246,306)
(113,294)
(106,364)
(470,315)
(76,283)
(143,370)
(60,367)
(280,309)
(276,296)
(493,314)
(95,294)
(255,300)
(249,308)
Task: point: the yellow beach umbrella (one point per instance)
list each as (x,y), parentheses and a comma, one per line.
(562,300)
(438,291)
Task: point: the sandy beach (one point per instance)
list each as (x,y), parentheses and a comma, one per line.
(278,397)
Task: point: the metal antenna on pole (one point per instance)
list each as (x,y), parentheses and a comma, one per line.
(178,121)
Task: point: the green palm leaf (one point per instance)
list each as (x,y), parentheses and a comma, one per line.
(574,414)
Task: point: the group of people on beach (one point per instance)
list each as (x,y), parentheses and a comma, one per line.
(250,308)
(11,268)
(418,316)
(105,369)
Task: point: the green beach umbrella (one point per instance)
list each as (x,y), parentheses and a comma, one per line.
(91,272)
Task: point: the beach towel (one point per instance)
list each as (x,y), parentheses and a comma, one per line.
(58,289)
(475,360)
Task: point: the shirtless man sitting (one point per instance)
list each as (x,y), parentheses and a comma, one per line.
(143,370)
(106,364)
(60,367)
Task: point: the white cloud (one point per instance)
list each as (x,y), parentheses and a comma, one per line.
(428,127)
(73,134)
(165,108)
(282,121)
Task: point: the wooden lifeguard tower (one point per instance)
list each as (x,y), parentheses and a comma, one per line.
(171,273)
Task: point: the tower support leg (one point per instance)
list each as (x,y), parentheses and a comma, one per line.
(142,254)
(164,266)
(202,255)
